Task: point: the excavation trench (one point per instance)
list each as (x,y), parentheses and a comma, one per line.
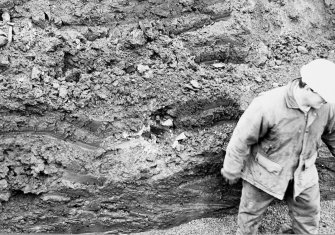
(115,115)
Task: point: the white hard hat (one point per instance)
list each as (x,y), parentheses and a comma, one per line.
(319,75)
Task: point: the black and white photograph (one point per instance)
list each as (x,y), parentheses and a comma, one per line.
(167,117)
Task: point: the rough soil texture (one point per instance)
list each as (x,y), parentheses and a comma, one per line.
(115,114)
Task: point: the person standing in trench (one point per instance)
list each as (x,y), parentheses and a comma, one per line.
(275,144)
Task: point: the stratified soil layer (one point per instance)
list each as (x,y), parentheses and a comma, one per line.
(115,114)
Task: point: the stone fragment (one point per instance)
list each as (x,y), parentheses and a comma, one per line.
(136,38)
(181,136)
(55,85)
(195,84)
(148,74)
(35,73)
(55,198)
(261,55)
(180,147)
(175,144)
(102,95)
(258,79)
(4,61)
(6,20)
(39,167)
(142,68)
(3,39)
(97,87)
(168,122)
(38,18)
(38,93)
(3,170)
(58,22)
(5,16)
(302,49)
(3,184)
(219,65)
(4,196)
(190,87)
(63,92)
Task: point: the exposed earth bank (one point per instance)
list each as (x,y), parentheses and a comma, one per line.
(115,114)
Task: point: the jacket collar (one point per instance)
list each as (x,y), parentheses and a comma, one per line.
(292,103)
(289,97)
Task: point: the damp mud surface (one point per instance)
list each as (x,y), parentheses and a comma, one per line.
(115,114)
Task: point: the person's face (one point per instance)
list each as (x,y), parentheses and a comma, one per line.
(313,99)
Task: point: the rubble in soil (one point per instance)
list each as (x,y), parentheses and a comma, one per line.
(115,114)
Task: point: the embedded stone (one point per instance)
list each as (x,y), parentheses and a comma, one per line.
(302,49)
(168,122)
(3,184)
(55,198)
(3,40)
(195,84)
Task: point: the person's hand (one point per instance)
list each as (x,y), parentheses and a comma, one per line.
(230,179)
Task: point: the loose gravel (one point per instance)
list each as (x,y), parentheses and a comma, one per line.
(276,215)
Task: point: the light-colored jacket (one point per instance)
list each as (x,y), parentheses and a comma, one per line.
(274,142)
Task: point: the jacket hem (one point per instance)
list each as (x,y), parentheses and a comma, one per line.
(265,189)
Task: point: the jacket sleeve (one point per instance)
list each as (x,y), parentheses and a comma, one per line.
(252,125)
(328,136)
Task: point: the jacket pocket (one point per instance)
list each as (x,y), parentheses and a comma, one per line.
(269,165)
(310,161)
